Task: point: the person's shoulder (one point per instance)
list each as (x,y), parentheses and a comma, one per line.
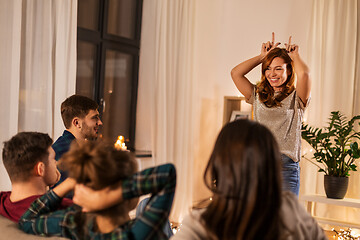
(5,194)
(62,144)
(65,138)
(302,104)
(14,210)
(289,201)
(27,201)
(4,198)
(299,224)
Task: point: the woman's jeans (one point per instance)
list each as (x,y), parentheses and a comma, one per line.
(290,175)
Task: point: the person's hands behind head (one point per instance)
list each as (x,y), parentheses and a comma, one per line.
(292,49)
(94,200)
(268,46)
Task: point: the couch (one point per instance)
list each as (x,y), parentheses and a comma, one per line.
(10,231)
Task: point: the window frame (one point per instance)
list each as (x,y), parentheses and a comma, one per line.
(103,42)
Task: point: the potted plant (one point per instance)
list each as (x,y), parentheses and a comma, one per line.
(336,150)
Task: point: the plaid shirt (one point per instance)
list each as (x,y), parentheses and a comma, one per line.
(43,219)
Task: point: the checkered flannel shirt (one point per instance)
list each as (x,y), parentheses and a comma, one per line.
(43,219)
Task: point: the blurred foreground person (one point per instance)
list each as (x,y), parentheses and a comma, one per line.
(244,175)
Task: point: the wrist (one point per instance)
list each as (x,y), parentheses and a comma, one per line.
(261,58)
(65,187)
(294,56)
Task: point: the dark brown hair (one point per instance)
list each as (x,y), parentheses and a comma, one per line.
(76,106)
(243,173)
(265,90)
(23,151)
(97,164)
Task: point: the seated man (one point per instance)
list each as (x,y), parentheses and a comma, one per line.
(30,162)
(104,183)
(81,120)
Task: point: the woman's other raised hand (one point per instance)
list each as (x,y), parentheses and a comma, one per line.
(268,46)
(292,49)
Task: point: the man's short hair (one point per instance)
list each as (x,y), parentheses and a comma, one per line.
(22,152)
(76,106)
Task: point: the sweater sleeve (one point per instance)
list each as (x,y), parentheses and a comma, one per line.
(297,223)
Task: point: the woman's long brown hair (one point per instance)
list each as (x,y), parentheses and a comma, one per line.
(243,173)
(265,90)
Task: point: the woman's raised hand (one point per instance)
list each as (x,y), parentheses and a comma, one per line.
(266,47)
(292,49)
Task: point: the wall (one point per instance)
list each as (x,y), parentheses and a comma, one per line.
(229,32)
(226,33)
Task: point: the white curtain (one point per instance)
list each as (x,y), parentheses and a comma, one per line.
(166,89)
(37,66)
(332,59)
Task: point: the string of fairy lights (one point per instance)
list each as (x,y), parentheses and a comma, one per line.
(348,234)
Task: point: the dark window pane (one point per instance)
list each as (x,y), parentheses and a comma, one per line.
(117,94)
(122,18)
(86,53)
(88,14)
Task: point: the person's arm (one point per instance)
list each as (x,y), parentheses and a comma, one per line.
(238,73)
(160,182)
(303,84)
(238,76)
(42,218)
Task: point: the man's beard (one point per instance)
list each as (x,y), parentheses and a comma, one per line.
(88,132)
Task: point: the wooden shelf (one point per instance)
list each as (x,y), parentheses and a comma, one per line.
(346,202)
(231,103)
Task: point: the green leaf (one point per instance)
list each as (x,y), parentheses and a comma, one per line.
(335,145)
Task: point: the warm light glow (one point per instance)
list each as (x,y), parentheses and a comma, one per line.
(346,234)
(120,143)
(175,228)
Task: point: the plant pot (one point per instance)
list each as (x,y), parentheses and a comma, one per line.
(335,187)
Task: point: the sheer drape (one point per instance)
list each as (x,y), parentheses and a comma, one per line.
(37,66)
(332,60)
(166,89)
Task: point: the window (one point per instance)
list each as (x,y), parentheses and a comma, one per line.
(108,49)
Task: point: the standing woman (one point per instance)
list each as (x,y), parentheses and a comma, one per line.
(277,102)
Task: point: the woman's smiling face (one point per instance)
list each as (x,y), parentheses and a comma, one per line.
(276,73)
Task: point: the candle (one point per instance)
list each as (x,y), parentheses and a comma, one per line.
(120,143)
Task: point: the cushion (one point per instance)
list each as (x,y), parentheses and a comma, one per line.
(10,230)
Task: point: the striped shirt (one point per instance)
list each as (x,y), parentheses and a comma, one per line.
(43,219)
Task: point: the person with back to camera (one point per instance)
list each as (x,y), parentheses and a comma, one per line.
(243,174)
(105,185)
(30,163)
(277,102)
